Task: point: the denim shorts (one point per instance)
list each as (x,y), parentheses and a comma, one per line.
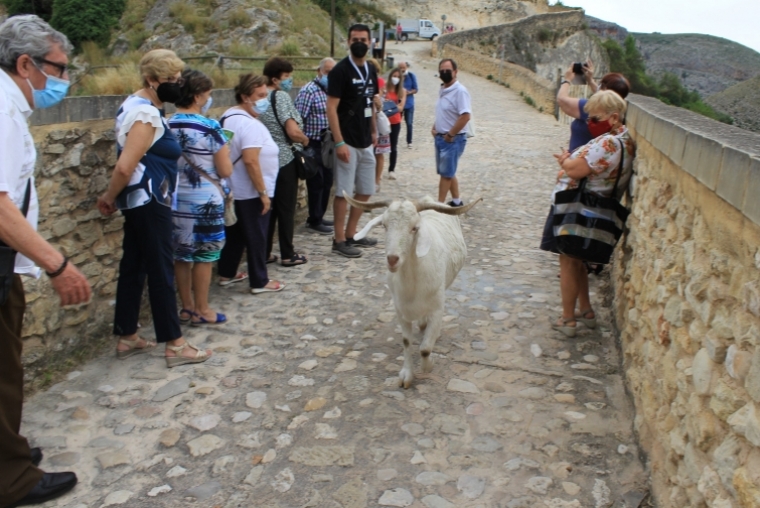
(447,154)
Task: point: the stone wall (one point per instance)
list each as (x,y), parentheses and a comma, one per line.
(545,43)
(76,155)
(687,303)
(519,79)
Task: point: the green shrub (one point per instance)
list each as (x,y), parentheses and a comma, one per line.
(489,77)
(239,17)
(545,35)
(528,100)
(85,20)
(290,48)
(42,8)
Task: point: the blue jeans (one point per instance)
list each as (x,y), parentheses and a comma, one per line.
(409,119)
(447,154)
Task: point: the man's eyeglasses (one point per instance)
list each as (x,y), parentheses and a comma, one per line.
(62,68)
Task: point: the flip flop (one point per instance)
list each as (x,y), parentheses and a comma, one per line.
(185,320)
(258,291)
(273,259)
(295,260)
(220,318)
(240,276)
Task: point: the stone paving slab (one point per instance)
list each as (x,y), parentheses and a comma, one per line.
(300,406)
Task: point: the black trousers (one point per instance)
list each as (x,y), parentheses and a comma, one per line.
(283,214)
(249,233)
(17,474)
(148,252)
(319,187)
(395,131)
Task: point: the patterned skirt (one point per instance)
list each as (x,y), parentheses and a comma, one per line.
(383,145)
(198,232)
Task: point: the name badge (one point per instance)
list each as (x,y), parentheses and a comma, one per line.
(367,112)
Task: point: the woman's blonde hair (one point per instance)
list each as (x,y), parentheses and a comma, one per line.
(376,65)
(606,101)
(160,64)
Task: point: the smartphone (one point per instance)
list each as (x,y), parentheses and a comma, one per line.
(579,78)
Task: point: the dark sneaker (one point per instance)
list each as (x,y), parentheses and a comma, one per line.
(320,229)
(345,249)
(326,222)
(451,203)
(364,242)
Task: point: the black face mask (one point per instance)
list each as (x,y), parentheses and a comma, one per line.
(169,92)
(359,49)
(446,76)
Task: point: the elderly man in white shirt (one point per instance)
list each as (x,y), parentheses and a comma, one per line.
(452,114)
(33,58)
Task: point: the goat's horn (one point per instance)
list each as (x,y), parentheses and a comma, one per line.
(366,206)
(448,210)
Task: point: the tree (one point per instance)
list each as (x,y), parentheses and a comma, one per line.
(42,8)
(86,20)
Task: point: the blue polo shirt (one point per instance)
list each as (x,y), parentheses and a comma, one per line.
(579,133)
(410,83)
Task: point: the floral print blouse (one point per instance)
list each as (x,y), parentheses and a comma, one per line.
(603,157)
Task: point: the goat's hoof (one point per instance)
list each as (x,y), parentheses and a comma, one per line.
(427,364)
(405,378)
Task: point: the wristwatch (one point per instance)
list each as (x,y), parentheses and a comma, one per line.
(563,82)
(262,192)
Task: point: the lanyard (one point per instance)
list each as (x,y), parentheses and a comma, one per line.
(366,70)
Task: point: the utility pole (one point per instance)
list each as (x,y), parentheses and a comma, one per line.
(332,29)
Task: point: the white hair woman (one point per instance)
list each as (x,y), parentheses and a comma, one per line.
(143,187)
(599,162)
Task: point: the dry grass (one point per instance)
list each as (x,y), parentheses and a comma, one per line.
(121,80)
(195,21)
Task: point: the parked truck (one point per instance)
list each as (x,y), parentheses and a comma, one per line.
(423,28)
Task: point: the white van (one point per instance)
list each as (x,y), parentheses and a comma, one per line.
(423,28)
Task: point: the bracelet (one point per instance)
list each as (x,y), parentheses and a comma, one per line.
(60,270)
(340,143)
(563,82)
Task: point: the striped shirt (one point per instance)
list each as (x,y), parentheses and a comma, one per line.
(311,103)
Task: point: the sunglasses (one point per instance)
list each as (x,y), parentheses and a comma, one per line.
(62,68)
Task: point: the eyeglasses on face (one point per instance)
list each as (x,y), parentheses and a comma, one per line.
(62,68)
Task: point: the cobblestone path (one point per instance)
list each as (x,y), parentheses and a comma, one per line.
(300,405)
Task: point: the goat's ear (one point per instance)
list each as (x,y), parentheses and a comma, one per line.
(371,224)
(424,240)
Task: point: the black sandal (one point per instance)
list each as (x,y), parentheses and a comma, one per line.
(295,260)
(272,259)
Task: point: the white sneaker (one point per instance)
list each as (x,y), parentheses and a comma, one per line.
(391,176)
(409,146)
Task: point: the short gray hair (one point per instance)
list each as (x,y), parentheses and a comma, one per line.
(28,35)
(324,61)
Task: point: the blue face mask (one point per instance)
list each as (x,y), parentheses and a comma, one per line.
(261,106)
(323,81)
(286,85)
(207,106)
(54,92)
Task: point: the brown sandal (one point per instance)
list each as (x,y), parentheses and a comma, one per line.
(133,349)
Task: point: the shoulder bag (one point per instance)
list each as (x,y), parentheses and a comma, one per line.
(306,165)
(390,108)
(8,255)
(230,218)
(587,225)
(383,124)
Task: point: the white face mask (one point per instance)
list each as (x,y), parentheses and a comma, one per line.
(395,80)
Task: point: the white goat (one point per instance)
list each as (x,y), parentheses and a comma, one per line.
(425,250)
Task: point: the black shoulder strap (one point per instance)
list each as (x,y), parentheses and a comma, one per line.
(222,119)
(27,198)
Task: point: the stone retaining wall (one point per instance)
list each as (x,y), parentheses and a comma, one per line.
(76,155)
(520,79)
(687,305)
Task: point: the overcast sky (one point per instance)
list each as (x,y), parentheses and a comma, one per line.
(736,20)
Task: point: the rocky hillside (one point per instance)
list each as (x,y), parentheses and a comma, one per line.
(463,14)
(741,102)
(704,63)
(232,27)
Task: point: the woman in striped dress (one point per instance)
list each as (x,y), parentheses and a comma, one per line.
(199,216)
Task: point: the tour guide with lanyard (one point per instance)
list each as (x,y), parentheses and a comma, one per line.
(8,255)
(328,142)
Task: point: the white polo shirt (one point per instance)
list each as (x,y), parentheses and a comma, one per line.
(18,157)
(453,102)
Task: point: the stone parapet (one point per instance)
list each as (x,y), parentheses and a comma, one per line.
(687,304)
